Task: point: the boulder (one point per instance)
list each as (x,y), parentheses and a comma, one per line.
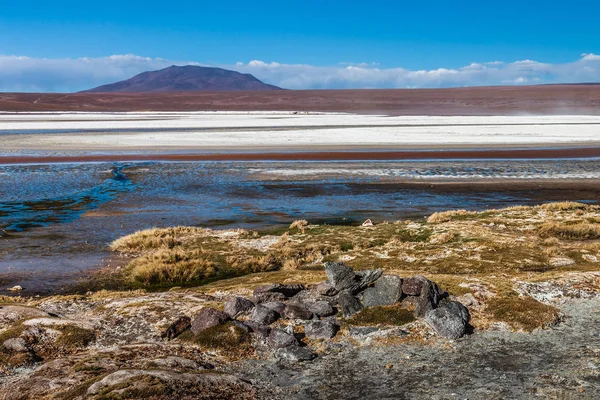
(342,277)
(264,315)
(261,330)
(180,325)
(450,319)
(412,286)
(429,298)
(349,304)
(325,329)
(278,338)
(276,292)
(321,308)
(293,311)
(235,306)
(17,345)
(276,306)
(295,353)
(326,289)
(386,292)
(207,318)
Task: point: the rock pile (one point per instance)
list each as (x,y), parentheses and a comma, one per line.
(313,311)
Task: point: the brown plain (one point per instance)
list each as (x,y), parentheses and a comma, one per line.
(506,100)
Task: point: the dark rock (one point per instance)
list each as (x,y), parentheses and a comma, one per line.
(339,275)
(206,318)
(264,315)
(18,345)
(262,331)
(349,304)
(295,353)
(235,306)
(450,319)
(278,338)
(325,329)
(242,326)
(343,277)
(325,289)
(286,290)
(293,311)
(180,325)
(386,292)
(430,296)
(321,308)
(412,286)
(266,297)
(276,306)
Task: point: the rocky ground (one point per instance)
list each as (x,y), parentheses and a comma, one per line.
(316,329)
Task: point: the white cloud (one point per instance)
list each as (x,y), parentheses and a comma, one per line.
(20,73)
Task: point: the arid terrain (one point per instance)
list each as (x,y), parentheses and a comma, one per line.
(528,277)
(511,100)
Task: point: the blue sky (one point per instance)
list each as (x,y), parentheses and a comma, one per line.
(426,35)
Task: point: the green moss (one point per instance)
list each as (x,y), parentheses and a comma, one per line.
(73,337)
(522,312)
(226,337)
(384,315)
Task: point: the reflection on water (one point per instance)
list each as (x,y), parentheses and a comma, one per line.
(63,216)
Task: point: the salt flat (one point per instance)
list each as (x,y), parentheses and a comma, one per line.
(280,130)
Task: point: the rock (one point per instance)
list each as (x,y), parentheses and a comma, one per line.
(362,330)
(295,353)
(13,313)
(16,288)
(261,330)
(177,328)
(171,384)
(206,318)
(18,345)
(242,326)
(340,276)
(278,338)
(412,286)
(386,292)
(450,319)
(235,306)
(343,277)
(276,306)
(325,329)
(293,311)
(349,304)
(264,315)
(367,223)
(325,289)
(321,308)
(429,298)
(276,291)
(175,362)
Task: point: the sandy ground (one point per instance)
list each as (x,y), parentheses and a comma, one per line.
(276,132)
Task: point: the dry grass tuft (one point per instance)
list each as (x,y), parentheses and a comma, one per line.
(578,231)
(232,340)
(522,313)
(300,224)
(447,216)
(155,238)
(564,206)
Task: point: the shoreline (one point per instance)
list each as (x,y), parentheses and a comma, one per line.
(331,155)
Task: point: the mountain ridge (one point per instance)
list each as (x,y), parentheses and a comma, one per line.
(187,78)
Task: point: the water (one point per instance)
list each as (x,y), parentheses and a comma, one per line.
(59,219)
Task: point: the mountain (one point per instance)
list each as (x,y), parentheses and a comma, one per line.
(185,79)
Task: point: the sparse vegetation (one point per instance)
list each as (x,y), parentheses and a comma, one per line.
(578,231)
(384,315)
(228,338)
(522,313)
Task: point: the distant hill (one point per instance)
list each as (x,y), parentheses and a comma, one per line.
(187,78)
